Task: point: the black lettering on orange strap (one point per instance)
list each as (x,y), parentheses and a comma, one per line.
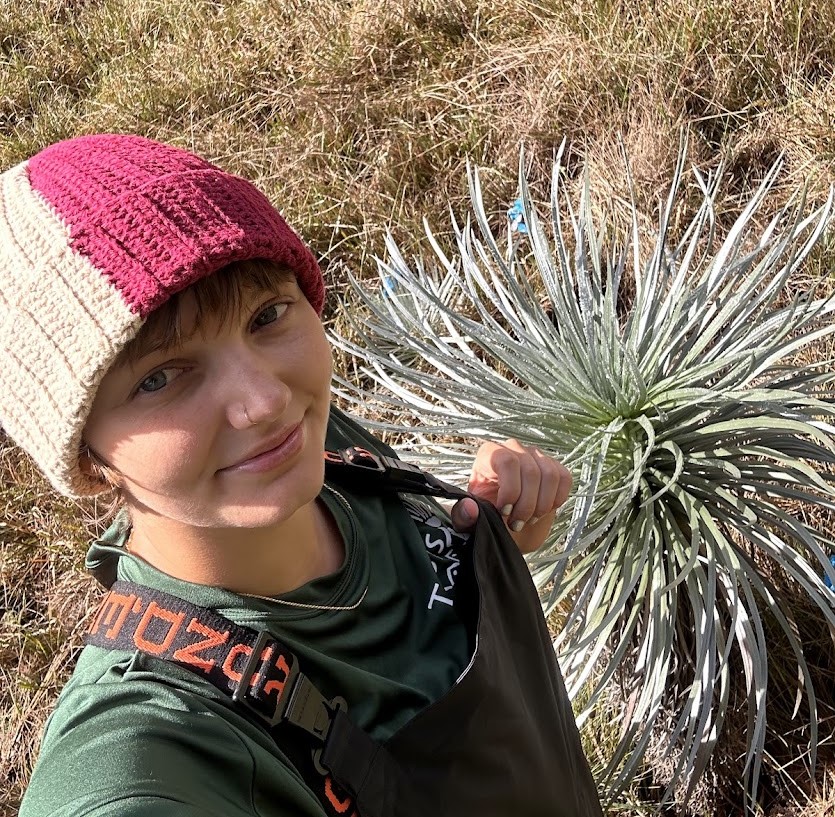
(155,611)
(214,638)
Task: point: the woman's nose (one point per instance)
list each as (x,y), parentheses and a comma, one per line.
(258,396)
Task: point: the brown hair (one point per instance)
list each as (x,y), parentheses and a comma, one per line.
(217,294)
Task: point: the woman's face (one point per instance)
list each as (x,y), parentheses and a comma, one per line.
(226,428)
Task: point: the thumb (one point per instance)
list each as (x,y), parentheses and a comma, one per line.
(464,514)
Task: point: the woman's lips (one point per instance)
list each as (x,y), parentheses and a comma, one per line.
(273,457)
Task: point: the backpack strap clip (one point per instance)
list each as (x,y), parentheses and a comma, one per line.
(374,471)
(300,703)
(242,689)
(308,709)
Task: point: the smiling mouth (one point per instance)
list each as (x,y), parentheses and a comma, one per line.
(283,449)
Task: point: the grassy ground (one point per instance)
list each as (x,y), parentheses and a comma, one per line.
(359,116)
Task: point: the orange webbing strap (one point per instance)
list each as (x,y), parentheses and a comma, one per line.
(258,671)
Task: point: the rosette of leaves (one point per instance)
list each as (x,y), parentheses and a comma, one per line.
(665,374)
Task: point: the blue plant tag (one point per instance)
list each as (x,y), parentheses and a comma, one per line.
(826,580)
(389,285)
(516,217)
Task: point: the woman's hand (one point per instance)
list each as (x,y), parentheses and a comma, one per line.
(525,485)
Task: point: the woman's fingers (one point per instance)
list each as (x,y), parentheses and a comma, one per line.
(525,484)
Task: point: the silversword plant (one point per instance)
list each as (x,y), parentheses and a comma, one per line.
(665,375)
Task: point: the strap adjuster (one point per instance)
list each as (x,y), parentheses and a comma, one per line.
(241,693)
(299,703)
(361,458)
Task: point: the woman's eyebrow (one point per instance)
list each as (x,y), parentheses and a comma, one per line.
(144,347)
(172,336)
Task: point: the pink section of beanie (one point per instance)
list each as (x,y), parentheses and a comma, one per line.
(155,218)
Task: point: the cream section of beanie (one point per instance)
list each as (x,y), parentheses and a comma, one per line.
(61,325)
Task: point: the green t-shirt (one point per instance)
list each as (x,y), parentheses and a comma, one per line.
(133,735)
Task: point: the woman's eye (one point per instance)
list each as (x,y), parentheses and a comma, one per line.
(269,315)
(156,381)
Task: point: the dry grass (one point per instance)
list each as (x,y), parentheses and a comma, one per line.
(45,596)
(358,116)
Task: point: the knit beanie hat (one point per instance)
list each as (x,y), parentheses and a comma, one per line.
(95,234)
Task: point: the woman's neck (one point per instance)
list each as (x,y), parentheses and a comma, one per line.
(259,561)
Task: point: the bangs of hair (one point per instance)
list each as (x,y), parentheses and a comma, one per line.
(218,294)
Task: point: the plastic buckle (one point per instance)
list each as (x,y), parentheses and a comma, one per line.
(240,694)
(308,709)
(377,469)
(300,703)
(313,712)
(363,459)
(387,467)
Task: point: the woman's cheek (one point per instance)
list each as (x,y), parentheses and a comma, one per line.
(154,460)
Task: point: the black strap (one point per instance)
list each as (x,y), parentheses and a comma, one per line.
(363,767)
(259,672)
(255,669)
(369,471)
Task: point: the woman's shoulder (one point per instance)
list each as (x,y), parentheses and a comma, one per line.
(106,678)
(130,727)
(127,711)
